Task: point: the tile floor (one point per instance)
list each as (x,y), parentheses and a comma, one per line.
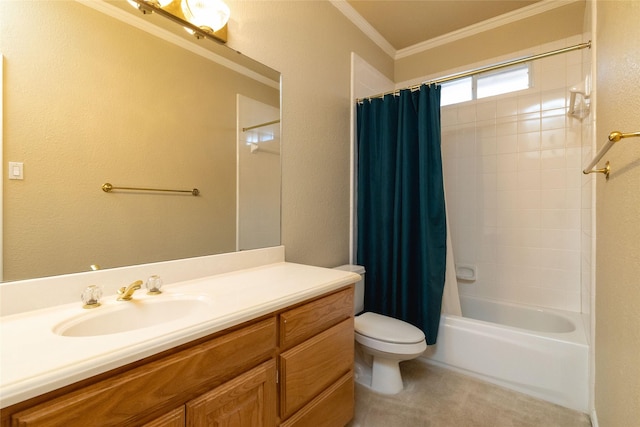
(444,398)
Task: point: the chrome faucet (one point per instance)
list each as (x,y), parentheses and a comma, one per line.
(126,292)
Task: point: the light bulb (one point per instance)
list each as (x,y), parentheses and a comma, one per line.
(207,14)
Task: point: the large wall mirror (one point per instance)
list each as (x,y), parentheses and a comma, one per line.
(94,97)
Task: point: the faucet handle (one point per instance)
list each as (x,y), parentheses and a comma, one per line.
(91,296)
(154,283)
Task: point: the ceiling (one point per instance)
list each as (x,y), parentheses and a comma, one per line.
(406,23)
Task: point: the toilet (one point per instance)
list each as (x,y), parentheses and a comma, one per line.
(382,342)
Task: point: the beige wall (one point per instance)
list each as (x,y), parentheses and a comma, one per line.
(617,385)
(550,26)
(77,116)
(310,42)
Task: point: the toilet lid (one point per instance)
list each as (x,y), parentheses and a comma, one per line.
(385,328)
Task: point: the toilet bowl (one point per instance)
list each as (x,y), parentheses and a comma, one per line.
(385,342)
(382,342)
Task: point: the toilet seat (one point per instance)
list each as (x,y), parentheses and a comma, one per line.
(387,329)
(393,337)
(391,350)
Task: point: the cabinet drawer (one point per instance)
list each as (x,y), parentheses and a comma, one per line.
(303,322)
(314,365)
(126,398)
(333,407)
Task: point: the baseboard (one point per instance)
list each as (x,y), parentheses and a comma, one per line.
(594,418)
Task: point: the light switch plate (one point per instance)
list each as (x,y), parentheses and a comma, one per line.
(16,170)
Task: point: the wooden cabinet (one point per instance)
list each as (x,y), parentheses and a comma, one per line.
(160,385)
(227,379)
(316,366)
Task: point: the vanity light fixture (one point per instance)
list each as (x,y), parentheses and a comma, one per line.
(209,15)
(143,7)
(202,18)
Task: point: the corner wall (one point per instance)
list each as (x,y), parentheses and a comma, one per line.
(617,335)
(310,42)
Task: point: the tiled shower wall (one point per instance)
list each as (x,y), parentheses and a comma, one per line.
(514,187)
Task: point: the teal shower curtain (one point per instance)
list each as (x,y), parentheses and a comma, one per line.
(401,219)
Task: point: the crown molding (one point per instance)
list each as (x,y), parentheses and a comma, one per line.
(489,24)
(364,26)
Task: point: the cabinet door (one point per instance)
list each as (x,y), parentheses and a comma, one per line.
(246,401)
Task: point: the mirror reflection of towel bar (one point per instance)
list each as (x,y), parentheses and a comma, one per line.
(106,187)
(273,122)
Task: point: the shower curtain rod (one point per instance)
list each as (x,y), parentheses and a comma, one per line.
(484,69)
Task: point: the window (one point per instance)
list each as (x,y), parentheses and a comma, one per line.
(455,91)
(486,84)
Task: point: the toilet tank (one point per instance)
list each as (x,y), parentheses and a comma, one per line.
(358,299)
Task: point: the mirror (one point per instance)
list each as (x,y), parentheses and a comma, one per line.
(91,99)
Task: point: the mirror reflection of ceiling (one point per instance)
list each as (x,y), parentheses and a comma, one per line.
(91,99)
(406,23)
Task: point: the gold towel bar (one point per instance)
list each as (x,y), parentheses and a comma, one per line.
(108,187)
(614,137)
(272,122)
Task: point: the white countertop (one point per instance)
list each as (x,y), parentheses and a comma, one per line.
(35,360)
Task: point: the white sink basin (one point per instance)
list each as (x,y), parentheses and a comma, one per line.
(126,316)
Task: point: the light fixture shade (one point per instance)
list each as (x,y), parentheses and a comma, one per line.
(157,3)
(206,14)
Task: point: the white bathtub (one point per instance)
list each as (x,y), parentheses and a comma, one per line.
(540,352)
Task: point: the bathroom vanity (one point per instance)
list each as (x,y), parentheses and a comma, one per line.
(277,351)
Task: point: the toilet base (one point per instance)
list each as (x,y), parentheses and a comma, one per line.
(385,376)
(376,373)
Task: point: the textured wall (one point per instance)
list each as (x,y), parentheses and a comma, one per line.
(617,387)
(310,42)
